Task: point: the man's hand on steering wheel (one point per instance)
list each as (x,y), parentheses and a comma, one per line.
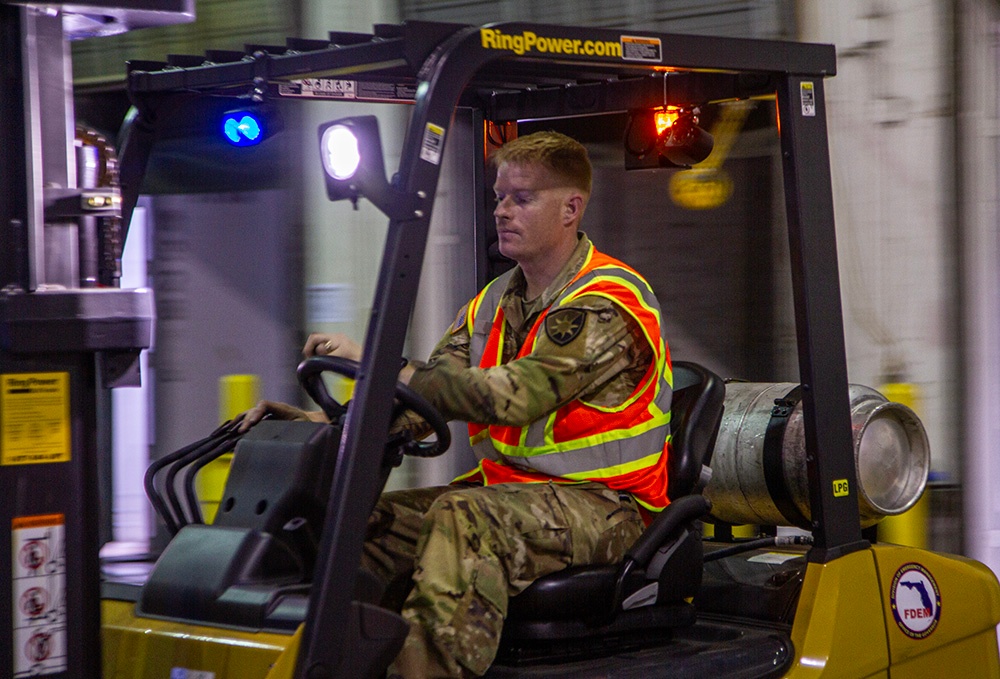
(310,377)
(278,411)
(317,344)
(335,344)
(340,345)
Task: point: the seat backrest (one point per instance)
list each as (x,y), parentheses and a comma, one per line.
(695,416)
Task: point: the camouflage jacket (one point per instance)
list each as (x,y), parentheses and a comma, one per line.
(602,364)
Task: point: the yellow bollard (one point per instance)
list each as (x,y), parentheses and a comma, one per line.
(342,389)
(237,394)
(910,527)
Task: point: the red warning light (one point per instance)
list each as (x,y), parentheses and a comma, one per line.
(665,118)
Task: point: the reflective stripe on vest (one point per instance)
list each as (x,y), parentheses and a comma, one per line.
(623,446)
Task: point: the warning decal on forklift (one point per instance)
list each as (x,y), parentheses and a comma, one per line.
(915,600)
(34,417)
(39,583)
(807,92)
(320,88)
(635,48)
(329,88)
(430,147)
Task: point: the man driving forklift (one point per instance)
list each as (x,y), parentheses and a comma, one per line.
(561,368)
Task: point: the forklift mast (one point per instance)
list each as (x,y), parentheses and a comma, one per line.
(503,73)
(66,334)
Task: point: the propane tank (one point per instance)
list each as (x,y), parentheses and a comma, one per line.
(759,464)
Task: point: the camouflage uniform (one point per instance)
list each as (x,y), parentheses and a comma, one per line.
(601,365)
(469,548)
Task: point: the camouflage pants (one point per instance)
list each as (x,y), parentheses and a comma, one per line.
(466,549)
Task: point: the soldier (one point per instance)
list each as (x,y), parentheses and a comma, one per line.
(562,371)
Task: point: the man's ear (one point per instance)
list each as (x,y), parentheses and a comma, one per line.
(573,208)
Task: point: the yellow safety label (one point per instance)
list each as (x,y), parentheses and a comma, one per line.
(841,488)
(34,418)
(807,90)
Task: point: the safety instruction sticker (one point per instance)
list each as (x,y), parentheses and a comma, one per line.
(915,600)
(433,143)
(635,48)
(34,418)
(39,581)
(320,88)
(331,88)
(807,92)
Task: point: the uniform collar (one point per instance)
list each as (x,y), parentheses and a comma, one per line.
(513,302)
(518,285)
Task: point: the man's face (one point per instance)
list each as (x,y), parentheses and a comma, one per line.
(534,213)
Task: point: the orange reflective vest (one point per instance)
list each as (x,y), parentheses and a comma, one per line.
(624,447)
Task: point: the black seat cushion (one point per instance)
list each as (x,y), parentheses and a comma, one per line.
(577,592)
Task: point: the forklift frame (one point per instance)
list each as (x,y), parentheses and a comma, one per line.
(507,72)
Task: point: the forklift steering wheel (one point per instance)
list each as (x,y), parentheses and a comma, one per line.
(309,373)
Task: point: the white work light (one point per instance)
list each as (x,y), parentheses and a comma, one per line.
(339,149)
(352,162)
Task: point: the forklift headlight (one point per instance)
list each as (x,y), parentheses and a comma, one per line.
(351,152)
(339,149)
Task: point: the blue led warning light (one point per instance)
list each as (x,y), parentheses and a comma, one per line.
(242,128)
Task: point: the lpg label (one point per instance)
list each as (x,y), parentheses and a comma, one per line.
(39,582)
(916,601)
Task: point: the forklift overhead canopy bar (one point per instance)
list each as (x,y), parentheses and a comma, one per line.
(514,71)
(531,55)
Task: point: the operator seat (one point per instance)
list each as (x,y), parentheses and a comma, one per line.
(570,612)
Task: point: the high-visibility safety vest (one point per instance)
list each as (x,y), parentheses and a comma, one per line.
(624,447)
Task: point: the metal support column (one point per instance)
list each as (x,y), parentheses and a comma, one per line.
(833,484)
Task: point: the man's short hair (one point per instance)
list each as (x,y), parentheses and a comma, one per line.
(561,154)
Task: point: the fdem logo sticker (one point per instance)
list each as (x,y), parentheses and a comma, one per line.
(916,601)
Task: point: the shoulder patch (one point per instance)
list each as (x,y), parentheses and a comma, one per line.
(459,321)
(564,325)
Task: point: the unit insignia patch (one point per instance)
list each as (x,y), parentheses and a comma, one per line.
(564,325)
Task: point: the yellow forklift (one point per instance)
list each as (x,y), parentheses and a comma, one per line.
(272,590)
